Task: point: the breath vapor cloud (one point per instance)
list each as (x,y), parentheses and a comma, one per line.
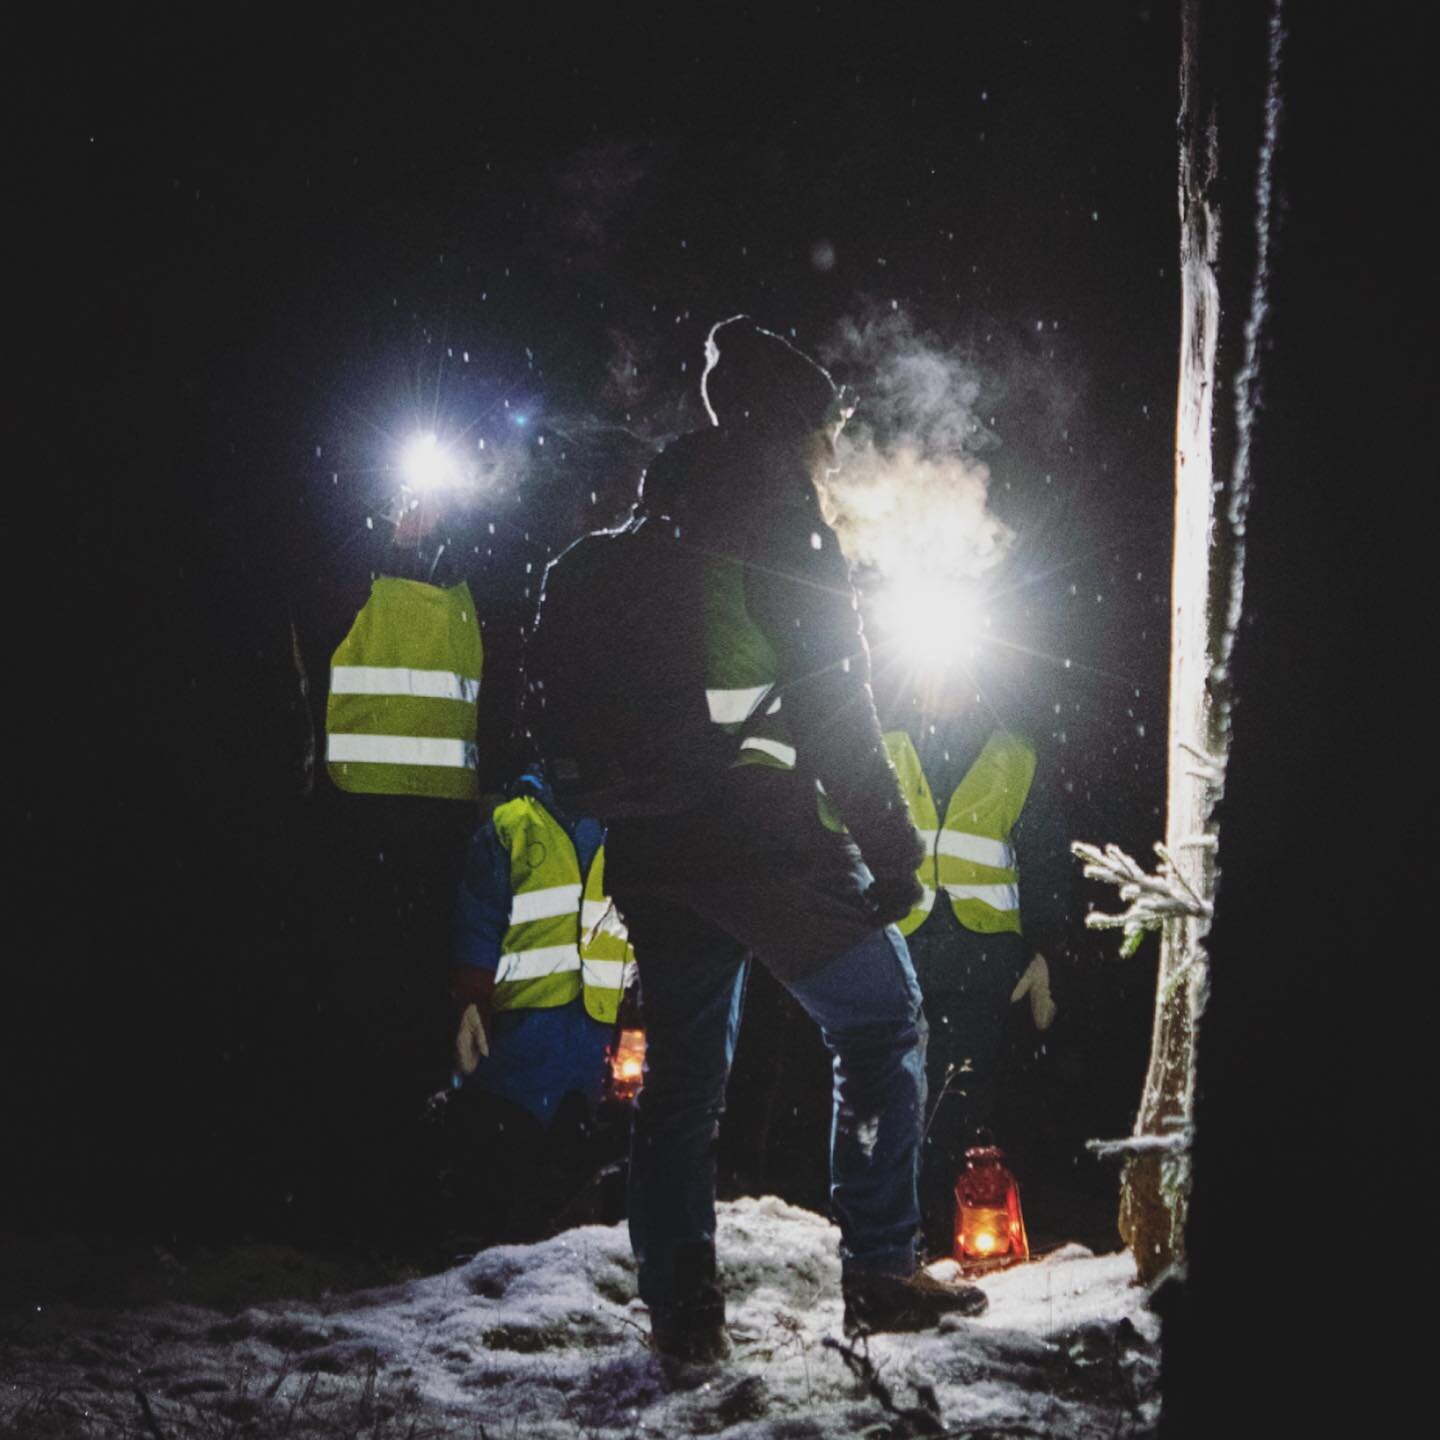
(911,494)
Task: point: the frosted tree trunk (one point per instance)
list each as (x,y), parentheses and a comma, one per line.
(1212,486)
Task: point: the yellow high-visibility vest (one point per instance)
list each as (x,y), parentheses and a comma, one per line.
(404,686)
(741,670)
(564,937)
(968,853)
(606,958)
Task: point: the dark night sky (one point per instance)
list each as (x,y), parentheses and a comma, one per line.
(312,232)
(300,234)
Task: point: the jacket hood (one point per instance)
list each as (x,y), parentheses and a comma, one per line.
(756,379)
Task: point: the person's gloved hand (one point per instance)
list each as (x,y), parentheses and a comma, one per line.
(892,848)
(893,897)
(1035,983)
(472,990)
(471,1042)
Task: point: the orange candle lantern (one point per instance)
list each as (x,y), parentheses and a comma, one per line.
(627,1064)
(989,1225)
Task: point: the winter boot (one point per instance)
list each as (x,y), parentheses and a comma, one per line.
(691,1327)
(903,1304)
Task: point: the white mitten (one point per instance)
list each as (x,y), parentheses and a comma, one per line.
(470,1041)
(1035,983)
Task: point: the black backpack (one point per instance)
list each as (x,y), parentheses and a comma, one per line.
(615,675)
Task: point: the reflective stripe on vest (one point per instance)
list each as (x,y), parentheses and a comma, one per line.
(994,897)
(400,750)
(767,740)
(733,707)
(544,904)
(535,964)
(960,845)
(969,856)
(604,975)
(402,680)
(404,684)
(777,750)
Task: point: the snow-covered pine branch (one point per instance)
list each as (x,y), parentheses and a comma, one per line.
(1206,767)
(1177,1142)
(1151,899)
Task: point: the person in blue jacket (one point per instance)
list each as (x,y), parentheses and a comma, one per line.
(534,1010)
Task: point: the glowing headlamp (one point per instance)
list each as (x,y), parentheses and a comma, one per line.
(427,465)
(933,622)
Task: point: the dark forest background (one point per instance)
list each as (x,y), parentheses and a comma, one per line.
(286,245)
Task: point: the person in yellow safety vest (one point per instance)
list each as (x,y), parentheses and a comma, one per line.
(391,832)
(993,914)
(541,962)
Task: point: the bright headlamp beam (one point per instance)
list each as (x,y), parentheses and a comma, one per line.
(935,623)
(426,464)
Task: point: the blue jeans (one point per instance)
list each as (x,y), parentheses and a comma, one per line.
(867,1005)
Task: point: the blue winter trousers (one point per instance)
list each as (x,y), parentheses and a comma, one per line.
(867,1005)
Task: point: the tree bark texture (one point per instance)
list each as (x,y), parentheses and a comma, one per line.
(1211,486)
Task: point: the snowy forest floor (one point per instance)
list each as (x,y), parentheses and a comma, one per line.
(549,1341)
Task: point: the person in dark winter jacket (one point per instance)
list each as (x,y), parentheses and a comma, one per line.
(800,852)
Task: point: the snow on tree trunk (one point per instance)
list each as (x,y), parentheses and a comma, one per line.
(1212,487)
(1156,1183)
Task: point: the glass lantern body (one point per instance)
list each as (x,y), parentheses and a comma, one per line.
(989,1224)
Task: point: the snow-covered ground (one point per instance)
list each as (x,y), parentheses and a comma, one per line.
(548,1340)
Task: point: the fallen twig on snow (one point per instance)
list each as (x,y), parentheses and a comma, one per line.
(151,1424)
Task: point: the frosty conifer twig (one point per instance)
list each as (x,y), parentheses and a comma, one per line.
(1206,767)
(1151,899)
(1176,1142)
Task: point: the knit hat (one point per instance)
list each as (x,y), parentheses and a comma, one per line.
(755,379)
